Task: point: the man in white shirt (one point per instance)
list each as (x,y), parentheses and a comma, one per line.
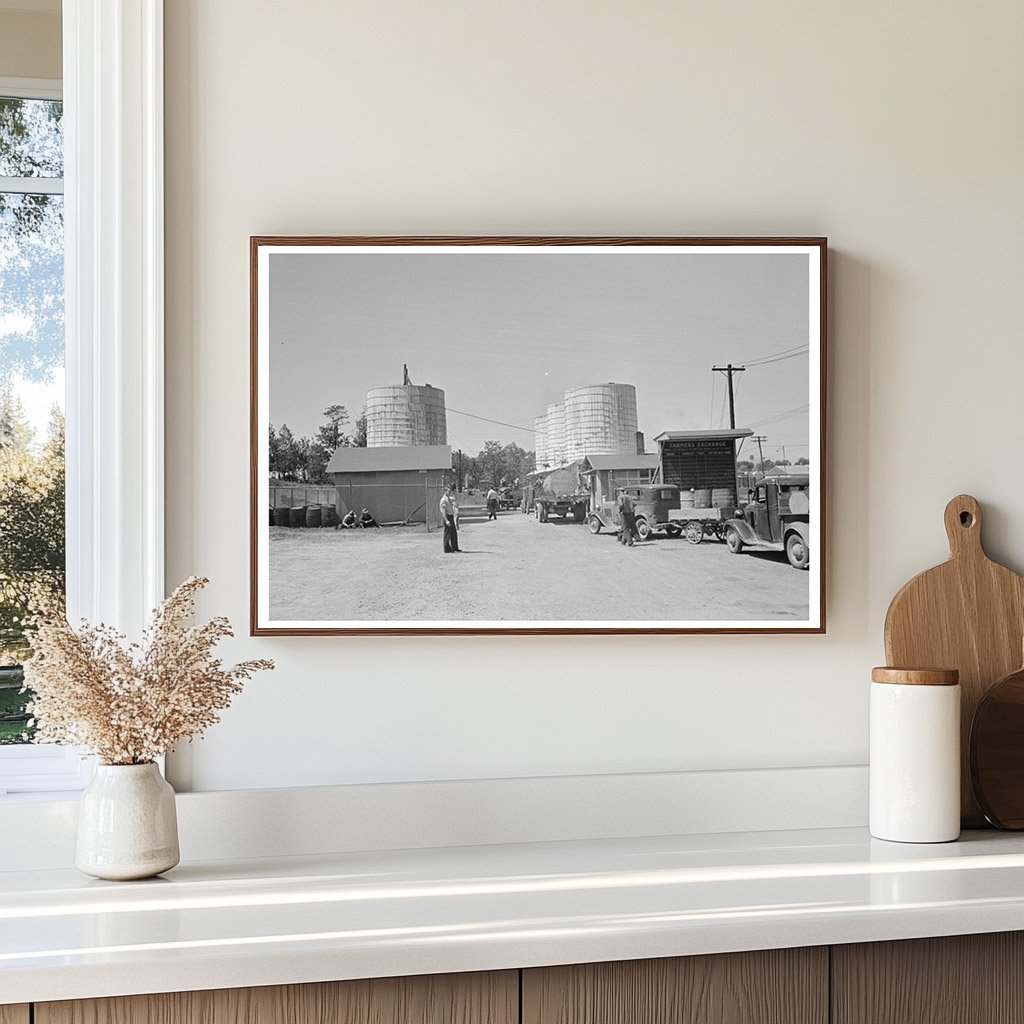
(492,504)
(450,519)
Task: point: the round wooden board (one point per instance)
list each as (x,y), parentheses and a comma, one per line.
(997,752)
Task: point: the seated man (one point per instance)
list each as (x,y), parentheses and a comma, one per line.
(366,520)
(349,522)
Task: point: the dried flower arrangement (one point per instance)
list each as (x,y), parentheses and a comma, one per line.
(128,704)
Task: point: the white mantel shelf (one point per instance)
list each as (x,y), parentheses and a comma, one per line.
(225,924)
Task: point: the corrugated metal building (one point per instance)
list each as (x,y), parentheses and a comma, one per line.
(397,485)
(405,414)
(599,419)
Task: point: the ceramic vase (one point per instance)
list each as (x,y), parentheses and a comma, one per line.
(127,825)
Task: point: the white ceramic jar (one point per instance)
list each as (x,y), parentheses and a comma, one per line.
(127,823)
(915,755)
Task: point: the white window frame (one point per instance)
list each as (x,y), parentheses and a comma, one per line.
(114,335)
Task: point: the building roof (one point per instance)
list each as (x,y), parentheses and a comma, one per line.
(676,435)
(376,460)
(626,460)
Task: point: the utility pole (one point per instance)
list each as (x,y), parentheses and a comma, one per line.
(729,370)
(760,451)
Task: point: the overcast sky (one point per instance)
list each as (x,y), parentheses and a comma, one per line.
(506,334)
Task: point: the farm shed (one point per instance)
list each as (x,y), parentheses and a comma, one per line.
(702,460)
(397,485)
(608,472)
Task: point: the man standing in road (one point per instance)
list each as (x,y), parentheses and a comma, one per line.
(492,504)
(627,519)
(450,519)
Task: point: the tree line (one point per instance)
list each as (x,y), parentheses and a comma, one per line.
(755,466)
(31,524)
(496,465)
(305,459)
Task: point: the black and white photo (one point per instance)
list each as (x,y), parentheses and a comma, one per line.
(537,435)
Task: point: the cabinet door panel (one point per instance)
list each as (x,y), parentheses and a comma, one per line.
(962,979)
(14,1014)
(490,998)
(779,986)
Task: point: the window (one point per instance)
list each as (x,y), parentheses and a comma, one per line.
(32,549)
(112,144)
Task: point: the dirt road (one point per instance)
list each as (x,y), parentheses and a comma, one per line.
(517,568)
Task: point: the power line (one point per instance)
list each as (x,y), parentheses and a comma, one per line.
(779,359)
(785,353)
(500,423)
(781,416)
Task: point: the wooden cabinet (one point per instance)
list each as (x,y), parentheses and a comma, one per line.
(491,998)
(971,979)
(963,979)
(779,986)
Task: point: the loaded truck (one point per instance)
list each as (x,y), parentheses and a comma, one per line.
(561,491)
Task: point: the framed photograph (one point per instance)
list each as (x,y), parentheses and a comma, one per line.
(537,435)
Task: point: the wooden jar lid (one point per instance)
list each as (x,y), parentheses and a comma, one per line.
(916,676)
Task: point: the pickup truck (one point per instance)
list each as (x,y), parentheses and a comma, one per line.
(777,518)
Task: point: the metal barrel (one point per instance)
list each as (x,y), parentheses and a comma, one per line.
(281,516)
(297,516)
(722,496)
(702,497)
(312,515)
(328,516)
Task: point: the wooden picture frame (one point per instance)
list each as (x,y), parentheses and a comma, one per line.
(507,326)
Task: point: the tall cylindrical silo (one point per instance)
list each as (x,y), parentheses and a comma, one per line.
(540,440)
(405,414)
(600,419)
(555,434)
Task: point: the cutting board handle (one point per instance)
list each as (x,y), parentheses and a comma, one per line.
(963,527)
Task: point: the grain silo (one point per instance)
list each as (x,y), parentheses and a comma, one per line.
(600,419)
(555,434)
(540,440)
(405,414)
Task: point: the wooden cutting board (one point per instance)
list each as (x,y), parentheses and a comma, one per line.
(967,614)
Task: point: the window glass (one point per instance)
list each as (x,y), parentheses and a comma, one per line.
(31,386)
(31,138)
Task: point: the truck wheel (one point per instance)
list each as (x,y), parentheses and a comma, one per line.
(542,513)
(694,531)
(674,530)
(643,528)
(796,551)
(594,525)
(733,541)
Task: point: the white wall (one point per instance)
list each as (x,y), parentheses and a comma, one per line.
(894,129)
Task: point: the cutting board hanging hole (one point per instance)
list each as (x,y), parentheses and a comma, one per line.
(963,526)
